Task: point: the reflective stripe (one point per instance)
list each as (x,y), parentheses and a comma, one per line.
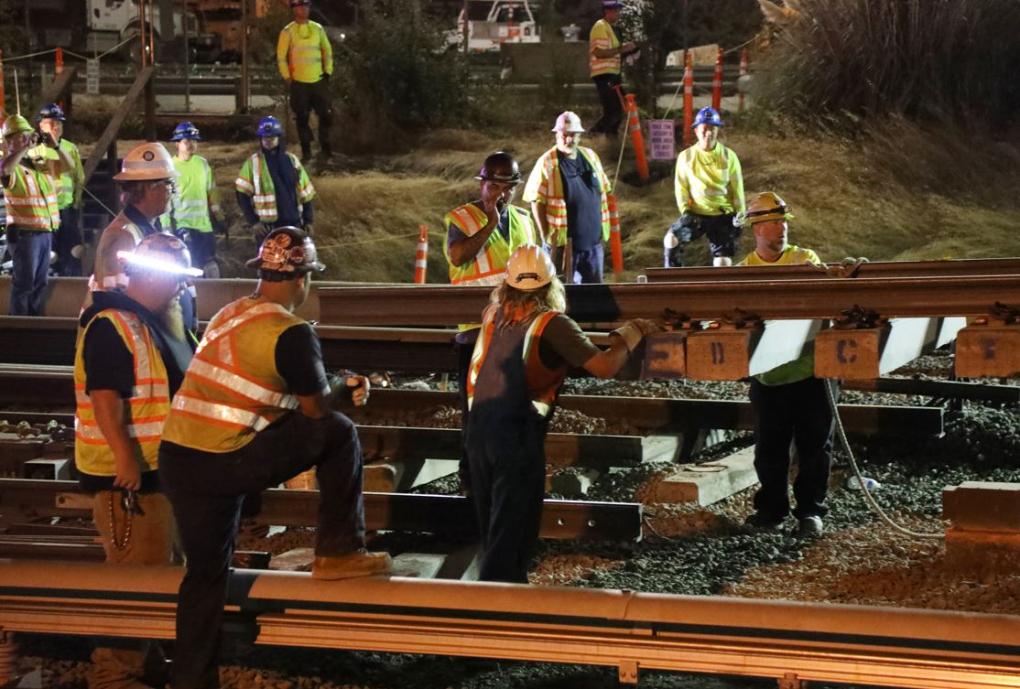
(217,411)
(241,385)
(254,312)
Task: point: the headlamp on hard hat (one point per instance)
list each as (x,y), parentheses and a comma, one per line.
(161,253)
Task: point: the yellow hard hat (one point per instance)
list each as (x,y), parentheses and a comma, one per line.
(529,268)
(766,206)
(16,124)
(147,163)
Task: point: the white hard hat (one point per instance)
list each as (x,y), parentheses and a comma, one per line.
(568,122)
(529,268)
(146,163)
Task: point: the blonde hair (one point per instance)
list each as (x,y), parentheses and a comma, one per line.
(517,305)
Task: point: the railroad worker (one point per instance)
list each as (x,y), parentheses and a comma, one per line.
(305,59)
(709,188)
(520,361)
(273,189)
(788,402)
(194,211)
(567,191)
(32,213)
(67,240)
(129,361)
(253,411)
(604,64)
(480,236)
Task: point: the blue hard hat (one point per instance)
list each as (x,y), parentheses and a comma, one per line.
(185,130)
(269,126)
(708,116)
(51,111)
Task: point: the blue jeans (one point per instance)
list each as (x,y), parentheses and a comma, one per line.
(31,255)
(588,264)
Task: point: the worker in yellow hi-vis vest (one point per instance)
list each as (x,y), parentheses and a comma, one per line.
(605,53)
(305,59)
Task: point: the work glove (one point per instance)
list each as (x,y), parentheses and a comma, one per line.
(632,332)
(348,386)
(259,232)
(219,227)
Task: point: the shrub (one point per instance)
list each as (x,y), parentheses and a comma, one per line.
(396,74)
(929,60)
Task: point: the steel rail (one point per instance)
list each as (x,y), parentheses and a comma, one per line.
(884,269)
(52,387)
(630,631)
(697,300)
(23,500)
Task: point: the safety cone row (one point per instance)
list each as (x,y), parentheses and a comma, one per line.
(421,256)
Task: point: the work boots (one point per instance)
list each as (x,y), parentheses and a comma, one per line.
(360,563)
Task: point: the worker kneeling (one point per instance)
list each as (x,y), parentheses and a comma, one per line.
(520,360)
(253,411)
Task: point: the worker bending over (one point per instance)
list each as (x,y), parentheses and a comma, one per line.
(129,361)
(788,403)
(521,358)
(304,57)
(273,189)
(709,191)
(253,411)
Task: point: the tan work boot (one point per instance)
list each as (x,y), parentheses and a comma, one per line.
(360,563)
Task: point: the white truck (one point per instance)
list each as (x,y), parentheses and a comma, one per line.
(490,23)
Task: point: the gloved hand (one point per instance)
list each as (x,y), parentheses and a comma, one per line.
(632,332)
(309,229)
(348,386)
(259,232)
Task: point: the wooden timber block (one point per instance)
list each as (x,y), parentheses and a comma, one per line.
(982,551)
(985,506)
(303,481)
(294,560)
(665,356)
(420,565)
(988,351)
(710,482)
(381,477)
(849,354)
(15,451)
(720,353)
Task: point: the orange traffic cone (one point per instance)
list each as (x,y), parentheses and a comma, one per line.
(717,82)
(688,100)
(615,240)
(743,73)
(634,127)
(421,256)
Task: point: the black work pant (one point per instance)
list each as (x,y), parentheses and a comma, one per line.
(507,487)
(202,246)
(206,490)
(67,236)
(797,412)
(612,107)
(303,99)
(465,346)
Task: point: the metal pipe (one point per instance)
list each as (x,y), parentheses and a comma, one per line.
(888,269)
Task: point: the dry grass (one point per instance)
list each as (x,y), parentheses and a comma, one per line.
(888,197)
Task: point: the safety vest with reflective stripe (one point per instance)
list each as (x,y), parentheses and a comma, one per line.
(708,182)
(195,197)
(489,264)
(543,383)
(603,37)
(68,184)
(232,389)
(31,201)
(255,181)
(545,185)
(303,52)
(145,410)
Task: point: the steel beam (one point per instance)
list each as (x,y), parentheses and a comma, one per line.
(896,647)
(773,299)
(22,500)
(944,389)
(886,269)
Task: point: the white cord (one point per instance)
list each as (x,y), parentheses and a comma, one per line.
(861,483)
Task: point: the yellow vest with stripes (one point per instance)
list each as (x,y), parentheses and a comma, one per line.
(545,185)
(31,201)
(255,181)
(232,389)
(146,409)
(489,265)
(603,37)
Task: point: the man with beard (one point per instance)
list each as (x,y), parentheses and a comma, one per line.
(255,410)
(568,190)
(273,189)
(129,361)
(146,180)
